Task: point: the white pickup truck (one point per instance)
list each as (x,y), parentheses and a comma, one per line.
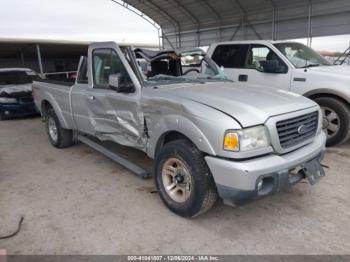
(294,67)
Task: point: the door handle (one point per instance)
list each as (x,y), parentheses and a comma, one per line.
(243,78)
(90,98)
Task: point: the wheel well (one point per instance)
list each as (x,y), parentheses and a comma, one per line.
(168,137)
(45,106)
(314,96)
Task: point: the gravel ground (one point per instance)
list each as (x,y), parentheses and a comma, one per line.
(76,201)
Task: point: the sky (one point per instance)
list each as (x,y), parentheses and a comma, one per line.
(95,20)
(329,43)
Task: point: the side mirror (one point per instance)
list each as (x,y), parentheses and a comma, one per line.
(114,81)
(120,84)
(273,66)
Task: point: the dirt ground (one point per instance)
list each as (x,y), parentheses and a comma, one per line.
(76,201)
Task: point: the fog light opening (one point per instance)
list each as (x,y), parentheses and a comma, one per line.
(265,186)
(260,184)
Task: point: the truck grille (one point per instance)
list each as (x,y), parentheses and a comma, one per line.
(27,99)
(297,130)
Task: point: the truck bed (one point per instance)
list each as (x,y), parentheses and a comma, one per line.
(57,93)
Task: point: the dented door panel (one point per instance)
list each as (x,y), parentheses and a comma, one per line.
(117,117)
(113,115)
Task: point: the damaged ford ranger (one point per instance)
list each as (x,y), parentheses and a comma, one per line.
(209,136)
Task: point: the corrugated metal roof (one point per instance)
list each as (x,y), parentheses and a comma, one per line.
(201,22)
(62,41)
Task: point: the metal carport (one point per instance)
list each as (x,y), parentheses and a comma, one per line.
(188,23)
(42,55)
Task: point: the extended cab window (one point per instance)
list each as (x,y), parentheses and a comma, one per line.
(228,56)
(106,62)
(259,57)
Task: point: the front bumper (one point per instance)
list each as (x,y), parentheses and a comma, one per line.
(18,110)
(237,181)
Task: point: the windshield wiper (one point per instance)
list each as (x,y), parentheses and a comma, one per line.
(311,65)
(214,78)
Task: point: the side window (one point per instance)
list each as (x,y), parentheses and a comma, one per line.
(106,62)
(82,75)
(260,57)
(228,56)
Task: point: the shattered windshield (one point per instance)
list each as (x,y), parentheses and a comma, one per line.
(301,56)
(171,67)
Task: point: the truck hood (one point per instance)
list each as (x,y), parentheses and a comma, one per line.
(332,70)
(248,105)
(15,90)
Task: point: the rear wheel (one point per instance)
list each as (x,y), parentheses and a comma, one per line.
(336,119)
(184,180)
(58,136)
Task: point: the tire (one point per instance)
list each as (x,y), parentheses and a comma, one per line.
(336,113)
(62,137)
(202,194)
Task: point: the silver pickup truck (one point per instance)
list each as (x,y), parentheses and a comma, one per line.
(209,136)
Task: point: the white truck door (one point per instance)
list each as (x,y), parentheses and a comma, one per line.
(114,116)
(263,67)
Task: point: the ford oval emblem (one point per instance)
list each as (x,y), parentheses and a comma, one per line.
(302,129)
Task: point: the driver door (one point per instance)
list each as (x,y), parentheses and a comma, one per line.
(114,115)
(253,73)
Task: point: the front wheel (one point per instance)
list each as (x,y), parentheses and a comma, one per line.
(336,119)
(184,180)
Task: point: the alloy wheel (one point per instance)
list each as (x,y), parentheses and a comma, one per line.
(177,180)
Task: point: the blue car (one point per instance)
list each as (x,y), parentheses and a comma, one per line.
(16,92)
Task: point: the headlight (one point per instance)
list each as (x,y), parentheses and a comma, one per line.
(246,139)
(7,100)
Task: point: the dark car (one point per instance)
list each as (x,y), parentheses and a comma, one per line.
(16,92)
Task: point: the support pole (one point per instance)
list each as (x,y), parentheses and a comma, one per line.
(198,33)
(349,54)
(160,38)
(39,60)
(309,31)
(274,23)
(244,27)
(22,58)
(180,44)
